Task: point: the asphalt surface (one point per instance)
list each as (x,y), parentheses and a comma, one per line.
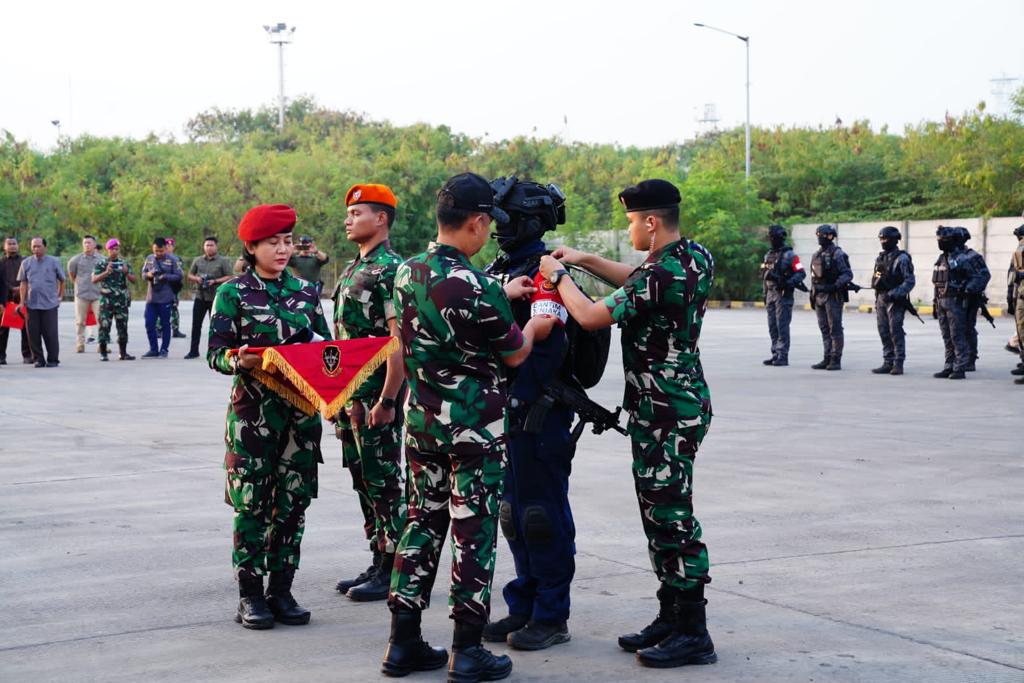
(860,527)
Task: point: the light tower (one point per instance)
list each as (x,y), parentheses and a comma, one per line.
(746,43)
(280,34)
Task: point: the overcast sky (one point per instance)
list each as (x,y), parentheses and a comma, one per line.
(632,72)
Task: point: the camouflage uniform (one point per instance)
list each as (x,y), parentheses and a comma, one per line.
(456,325)
(373,455)
(115,299)
(273,448)
(660,309)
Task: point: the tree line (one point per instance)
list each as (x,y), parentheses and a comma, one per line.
(969,164)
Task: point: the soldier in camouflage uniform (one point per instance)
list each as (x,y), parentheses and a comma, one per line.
(660,308)
(457,333)
(113,275)
(1015,298)
(273,448)
(371,436)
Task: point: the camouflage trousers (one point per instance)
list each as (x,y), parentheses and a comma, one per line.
(463,483)
(113,309)
(1018,314)
(273,450)
(373,456)
(663,456)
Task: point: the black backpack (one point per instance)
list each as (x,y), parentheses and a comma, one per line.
(588,353)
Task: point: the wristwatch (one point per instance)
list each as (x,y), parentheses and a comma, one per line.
(233,361)
(557,276)
(388,403)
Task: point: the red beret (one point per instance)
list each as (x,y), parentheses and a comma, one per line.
(370,193)
(266,220)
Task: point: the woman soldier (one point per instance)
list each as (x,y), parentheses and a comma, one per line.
(273,448)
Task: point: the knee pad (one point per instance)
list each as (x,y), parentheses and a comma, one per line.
(508,526)
(537,527)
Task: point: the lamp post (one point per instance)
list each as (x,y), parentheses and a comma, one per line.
(746,42)
(56,124)
(280,34)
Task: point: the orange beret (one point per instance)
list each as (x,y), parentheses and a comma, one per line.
(370,193)
(266,220)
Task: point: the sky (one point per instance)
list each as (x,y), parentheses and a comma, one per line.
(632,73)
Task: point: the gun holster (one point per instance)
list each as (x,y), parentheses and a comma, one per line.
(538,413)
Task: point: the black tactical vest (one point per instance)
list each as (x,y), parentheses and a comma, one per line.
(770,259)
(823,267)
(884,276)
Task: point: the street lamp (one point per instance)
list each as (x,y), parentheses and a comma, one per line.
(746,41)
(280,34)
(56,122)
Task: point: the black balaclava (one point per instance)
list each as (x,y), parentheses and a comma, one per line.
(826,235)
(889,238)
(777,236)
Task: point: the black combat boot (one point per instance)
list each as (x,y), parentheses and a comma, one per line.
(253,611)
(957,374)
(103,352)
(376,587)
(657,630)
(407,651)
(281,602)
(344,585)
(822,364)
(537,635)
(1019,370)
(498,631)
(470,661)
(834,363)
(123,345)
(897,368)
(970,367)
(768,361)
(943,373)
(689,642)
(884,369)
(781,362)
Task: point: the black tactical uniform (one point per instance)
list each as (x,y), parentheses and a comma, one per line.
(781,272)
(975,299)
(830,276)
(892,280)
(958,277)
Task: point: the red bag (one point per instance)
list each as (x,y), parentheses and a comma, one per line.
(11,317)
(90,318)
(320,376)
(547,300)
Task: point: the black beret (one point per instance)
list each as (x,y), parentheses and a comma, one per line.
(649,195)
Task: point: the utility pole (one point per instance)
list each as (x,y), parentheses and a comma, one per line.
(746,42)
(280,34)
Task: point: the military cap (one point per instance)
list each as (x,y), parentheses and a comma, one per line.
(471,192)
(649,195)
(370,193)
(114,242)
(1019,232)
(266,220)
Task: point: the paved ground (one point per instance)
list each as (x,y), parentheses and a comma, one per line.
(861,528)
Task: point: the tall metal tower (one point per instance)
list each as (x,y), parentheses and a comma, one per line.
(280,34)
(710,118)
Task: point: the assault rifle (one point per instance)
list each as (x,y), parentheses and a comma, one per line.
(982,301)
(557,391)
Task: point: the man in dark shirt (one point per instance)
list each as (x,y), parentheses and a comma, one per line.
(307,261)
(207,272)
(159,271)
(10,264)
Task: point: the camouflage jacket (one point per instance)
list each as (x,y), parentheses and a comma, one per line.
(251,310)
(363,305)
(456,325)
(115,283)
(660,309)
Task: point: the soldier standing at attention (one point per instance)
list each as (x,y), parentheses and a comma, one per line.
(458,333)
(1015,298)
(781,272)
(892,280)
(113,276)
(660,308)
(273,448)
(955,277)
(830,275)
(371,429)
(974,296)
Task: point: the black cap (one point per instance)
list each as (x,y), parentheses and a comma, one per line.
(305,239)
(649,195)
(471,192)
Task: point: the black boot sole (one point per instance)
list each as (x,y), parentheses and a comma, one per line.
(399,671)
(673,663)
(555,639)
(482,676)
(254,625)
(366,597)
(293,621)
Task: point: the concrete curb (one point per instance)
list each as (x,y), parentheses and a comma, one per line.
(863,308)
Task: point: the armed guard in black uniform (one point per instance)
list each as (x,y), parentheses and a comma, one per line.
(830,276)
(1015,298)
(892,280)
(957,277)
(975,300)
(781,272)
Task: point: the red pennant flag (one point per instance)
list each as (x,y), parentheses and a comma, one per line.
(90,318)
(321,376)
(11,317)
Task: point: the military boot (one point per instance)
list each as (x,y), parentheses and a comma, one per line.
(1019,380)
(537,635)
(834,363)
(653,633)
(470,661)
(498,631)
(281,602)
(1019,370)
(103,352)
(689,642)
(971,367)
(407,651)
(344,585)
(123,345)
(897,368)
(957,374)
(883,369)
(781,362)
(943,373)
(376,587)
(822,364)
(768,361)
(253,611)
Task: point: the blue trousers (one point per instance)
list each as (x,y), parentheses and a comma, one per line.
(163,312)
(537,520)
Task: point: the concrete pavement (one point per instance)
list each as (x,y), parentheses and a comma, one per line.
(860,527)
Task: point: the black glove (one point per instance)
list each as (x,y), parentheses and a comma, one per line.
(935,311)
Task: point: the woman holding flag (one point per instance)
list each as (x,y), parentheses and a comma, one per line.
(273,447)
